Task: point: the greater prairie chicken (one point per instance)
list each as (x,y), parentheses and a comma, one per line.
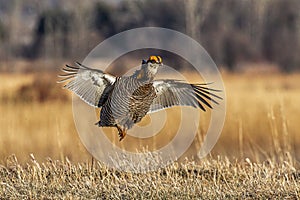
(125,100)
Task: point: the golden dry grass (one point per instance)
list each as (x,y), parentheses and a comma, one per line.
(261,119)
(211,179)
(261,125)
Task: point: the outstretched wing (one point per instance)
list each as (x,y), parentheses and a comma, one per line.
(91,85)
(177,93)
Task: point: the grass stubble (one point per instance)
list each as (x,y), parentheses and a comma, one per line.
(41,155)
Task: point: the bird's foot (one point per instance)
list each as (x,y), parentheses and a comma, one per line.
(122,133)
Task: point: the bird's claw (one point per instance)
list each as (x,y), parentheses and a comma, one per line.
(122,133)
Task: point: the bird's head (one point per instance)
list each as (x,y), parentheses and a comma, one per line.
(152,64)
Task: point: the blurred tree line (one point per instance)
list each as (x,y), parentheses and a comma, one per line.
(232,31)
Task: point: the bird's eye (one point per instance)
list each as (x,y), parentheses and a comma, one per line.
(153,61)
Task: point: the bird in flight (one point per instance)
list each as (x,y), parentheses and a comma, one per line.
(125,100)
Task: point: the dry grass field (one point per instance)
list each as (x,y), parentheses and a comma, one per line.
(257,155)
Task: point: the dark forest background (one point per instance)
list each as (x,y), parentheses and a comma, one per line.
(232,31)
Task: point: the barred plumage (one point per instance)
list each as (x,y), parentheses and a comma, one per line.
(124,101)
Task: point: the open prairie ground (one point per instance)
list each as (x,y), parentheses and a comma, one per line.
(257,155)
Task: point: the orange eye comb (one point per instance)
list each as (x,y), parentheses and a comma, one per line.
(156,59)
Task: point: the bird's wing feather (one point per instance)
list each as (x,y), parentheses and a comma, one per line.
(178,93)
(91,85)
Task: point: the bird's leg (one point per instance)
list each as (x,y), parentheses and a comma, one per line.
(122,133)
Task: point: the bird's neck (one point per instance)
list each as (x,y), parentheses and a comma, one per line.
(143,75)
